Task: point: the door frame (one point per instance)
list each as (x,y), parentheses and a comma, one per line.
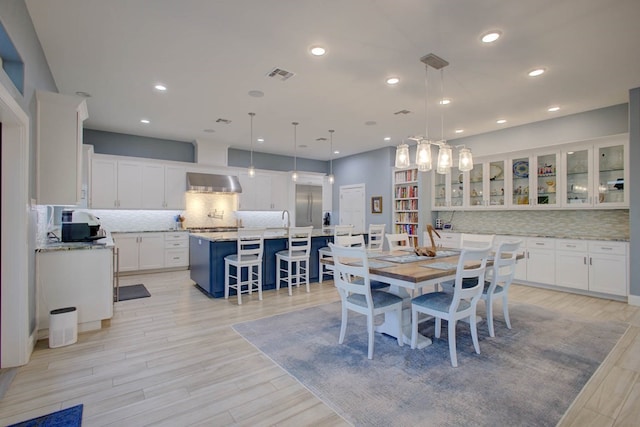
(16,340)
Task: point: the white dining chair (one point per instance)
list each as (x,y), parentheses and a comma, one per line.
(350,240)
(246,261)
(461,304)
(499,278)
(470,241)
(398,241)
(296,259)
(351,277)
(376,237)
(325,252)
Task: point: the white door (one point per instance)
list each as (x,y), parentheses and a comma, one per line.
(352,207)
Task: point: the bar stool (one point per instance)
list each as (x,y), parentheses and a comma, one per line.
(296,258)
(325,252)
(249,258)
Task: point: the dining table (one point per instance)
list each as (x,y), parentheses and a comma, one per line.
(408,273)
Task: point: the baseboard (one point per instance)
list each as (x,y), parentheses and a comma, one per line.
(634,300)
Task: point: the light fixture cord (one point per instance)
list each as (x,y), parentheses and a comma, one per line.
(441,101)
(426,101)
(295,168)
(331,151)
(251,115)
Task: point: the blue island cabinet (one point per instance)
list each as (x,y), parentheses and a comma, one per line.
(206,260)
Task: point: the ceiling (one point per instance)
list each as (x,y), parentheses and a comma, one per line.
(211,53)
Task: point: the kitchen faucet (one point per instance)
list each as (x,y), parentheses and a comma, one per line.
(288,217)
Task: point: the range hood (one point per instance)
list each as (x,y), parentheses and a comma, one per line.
(210,183)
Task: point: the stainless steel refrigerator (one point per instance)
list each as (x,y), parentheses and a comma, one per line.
(309,206)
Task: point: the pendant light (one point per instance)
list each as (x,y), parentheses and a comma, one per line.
(423,150)
(251,171)
(331,177)
(465,162)
(402,156)
(294,175)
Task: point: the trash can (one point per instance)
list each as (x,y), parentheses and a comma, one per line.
(63,327)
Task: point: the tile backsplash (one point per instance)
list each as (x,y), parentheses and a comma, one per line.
(592,224)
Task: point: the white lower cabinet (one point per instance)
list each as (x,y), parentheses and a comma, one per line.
(447,239)
(595,266)
(541,262)
(140,251)
(176,252)
(152,251)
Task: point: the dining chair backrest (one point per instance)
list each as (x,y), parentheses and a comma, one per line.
(396,241)
(341,230)
(376,237)
(300,240)
(350,241)
(470,241)
(472,266)
(250,243)
(504,264)
(349,278)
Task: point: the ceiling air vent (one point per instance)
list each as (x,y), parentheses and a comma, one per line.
(224,121)
(280,73)
(402,112)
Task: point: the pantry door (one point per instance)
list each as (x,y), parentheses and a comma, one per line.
(352,207)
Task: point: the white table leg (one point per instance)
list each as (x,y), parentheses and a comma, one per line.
(390,324)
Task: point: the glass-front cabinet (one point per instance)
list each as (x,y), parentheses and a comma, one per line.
(595,176)
(487,185)
(581,175)
(534,180)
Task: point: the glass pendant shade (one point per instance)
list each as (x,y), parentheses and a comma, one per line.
(251,171)
(402,156)
(444,159)
(332,179)
(423,156)
(465,161)
(294,176)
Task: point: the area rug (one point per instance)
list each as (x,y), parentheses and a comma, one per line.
(132,292)
(70,417)
(526,376)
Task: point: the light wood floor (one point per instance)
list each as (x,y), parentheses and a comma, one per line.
(174,360)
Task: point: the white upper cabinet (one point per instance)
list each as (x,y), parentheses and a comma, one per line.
(596,175)
(585,175)
(132,184)
(533,180)
(264,192)
(59,148)
(487,184)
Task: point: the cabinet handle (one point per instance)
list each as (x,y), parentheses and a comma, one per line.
(527,254)
(571,246)
(585,260)
(590,261)
(606,248)
(539,243)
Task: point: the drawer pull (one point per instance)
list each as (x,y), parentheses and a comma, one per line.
(539,243)
(606,248)
(571,246)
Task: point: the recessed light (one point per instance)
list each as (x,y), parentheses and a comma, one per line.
(317,50)
(260,140)
(537,72)
(208,130)
(145,121)
(387,138)
(491,36)
(336,152)
(392,80)
(256,93)
(370,123)
(459,130)
(501,121)
(160,87)
(445,101)
(553,109)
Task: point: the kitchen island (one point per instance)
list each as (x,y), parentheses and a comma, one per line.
(207,252)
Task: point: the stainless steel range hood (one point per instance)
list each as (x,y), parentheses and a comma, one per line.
(210,183)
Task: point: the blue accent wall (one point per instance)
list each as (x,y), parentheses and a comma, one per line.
(139,146)
(274,162)
(11,61)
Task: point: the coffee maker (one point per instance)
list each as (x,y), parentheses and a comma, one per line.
(80,227)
